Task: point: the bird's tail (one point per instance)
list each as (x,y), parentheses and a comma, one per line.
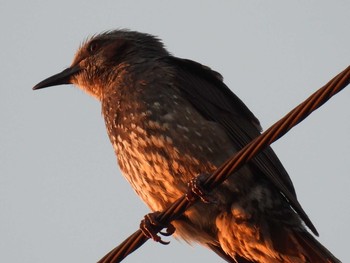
(314,250)
(305,249)
(284,245)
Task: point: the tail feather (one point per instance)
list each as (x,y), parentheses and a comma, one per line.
(297,246)
(315,251)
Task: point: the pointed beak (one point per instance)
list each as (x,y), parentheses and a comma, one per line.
(64,77)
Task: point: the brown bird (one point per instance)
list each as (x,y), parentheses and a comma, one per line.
(170,119)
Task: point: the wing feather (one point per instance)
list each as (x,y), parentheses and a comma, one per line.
(206,91)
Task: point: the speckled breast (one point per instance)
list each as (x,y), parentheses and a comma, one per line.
(161,141)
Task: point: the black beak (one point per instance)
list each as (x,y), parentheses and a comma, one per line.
(63,77)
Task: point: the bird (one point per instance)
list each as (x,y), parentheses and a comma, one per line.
(170,119)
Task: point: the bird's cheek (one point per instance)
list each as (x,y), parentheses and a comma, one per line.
(83,82)
(113,49)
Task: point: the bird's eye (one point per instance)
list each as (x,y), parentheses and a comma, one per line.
(94,46)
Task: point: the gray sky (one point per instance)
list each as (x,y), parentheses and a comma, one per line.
(62,198)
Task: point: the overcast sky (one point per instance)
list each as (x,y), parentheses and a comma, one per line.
(62,197)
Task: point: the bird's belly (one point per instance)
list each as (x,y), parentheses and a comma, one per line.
(159,159)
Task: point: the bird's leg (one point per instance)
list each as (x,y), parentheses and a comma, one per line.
(150,225)
(195,189)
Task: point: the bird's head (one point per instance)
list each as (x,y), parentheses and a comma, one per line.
(101,58)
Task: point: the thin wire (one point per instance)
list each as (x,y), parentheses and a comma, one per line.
(272,134)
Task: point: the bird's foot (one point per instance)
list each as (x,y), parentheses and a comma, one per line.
(150,226)
(196,189)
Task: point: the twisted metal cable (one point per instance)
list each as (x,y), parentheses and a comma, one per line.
(272,134)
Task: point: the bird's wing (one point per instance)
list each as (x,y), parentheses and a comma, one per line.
(205,89)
